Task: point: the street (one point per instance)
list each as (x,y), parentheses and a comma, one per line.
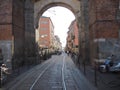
(105,81)
(57,73)
(59,44)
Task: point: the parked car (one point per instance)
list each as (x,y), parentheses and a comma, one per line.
(106,65)
(102,68)
(115,68)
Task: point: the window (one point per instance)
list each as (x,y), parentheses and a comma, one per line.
(43,29)
(43,22)
(43,42)
(44,35)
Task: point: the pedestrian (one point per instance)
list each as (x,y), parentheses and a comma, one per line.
(4,73)
(68,53)
(112,59)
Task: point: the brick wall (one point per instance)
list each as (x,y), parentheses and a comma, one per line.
(102,14)
(102,24)
(45,30)
(6,31)
(92,12)
(5,19)
(5,11)
(107,29)
(106,9)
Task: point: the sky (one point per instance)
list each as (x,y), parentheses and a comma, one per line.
(61,18)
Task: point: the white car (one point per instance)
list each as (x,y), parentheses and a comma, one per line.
(102,68)
(115,68)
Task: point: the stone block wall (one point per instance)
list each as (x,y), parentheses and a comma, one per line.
(30,47)
(6,31)
(12,31)
(18,32)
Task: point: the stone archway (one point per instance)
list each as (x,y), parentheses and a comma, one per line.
(41,6)
(79,9)
(86,16)
(19,45)
(17,35)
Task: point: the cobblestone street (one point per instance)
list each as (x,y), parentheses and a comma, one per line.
(57,73)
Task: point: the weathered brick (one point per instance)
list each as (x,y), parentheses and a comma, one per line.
(92,12)
(102,18)
(105,30)
(5,32)
(5,11)
(46,28)
(106,9)
(18,13)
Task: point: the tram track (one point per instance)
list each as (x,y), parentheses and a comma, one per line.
(57,73)
(45,72)
(70,73)
(63,78)
(36,80)
(17,83)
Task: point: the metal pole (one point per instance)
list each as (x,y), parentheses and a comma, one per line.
(84,67)
(95,74)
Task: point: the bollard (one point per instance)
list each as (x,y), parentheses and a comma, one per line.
(84,64)
(95,74)
(0,78)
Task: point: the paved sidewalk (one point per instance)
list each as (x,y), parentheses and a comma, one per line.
(84,83)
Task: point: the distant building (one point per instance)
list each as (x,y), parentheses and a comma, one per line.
(72,38)
(57,43)
(46,32)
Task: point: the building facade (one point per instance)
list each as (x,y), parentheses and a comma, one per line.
(46,32)
(72,38)
(47,39)
(57,43)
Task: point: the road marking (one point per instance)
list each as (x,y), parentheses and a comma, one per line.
(56,87)
(39,76)
(63,78)
(16,83)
